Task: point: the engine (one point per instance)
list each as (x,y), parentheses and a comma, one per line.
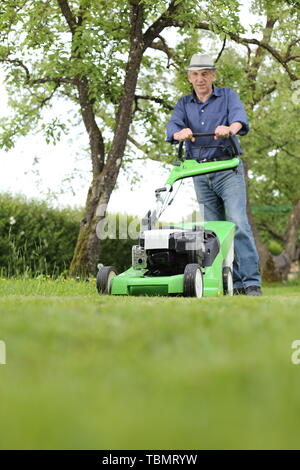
(166,252)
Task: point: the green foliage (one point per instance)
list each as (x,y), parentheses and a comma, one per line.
(274,247)
(37,51)
(273,147)
(36,239)
(53,130)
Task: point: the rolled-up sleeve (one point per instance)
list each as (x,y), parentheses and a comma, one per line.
(237,113)
(177,121)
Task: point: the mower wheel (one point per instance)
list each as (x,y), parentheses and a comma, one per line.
(104,279)
(193,281)
(227,281)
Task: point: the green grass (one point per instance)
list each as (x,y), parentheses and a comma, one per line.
(87,371)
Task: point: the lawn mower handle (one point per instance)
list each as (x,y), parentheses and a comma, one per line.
(208,134)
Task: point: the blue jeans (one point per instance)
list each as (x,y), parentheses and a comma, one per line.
(223,195)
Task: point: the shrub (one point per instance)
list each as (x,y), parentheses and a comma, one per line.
(37,239)
(34,237)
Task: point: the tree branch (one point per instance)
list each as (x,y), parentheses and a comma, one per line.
(94,133)
(69,16)
(162,45)
(58,80)
(293,57)
(290,153)
(82,10)
(82,83)
(268,48)
(271,231)
(275,146)
(166,19)
(265,92)
(139,146)
(248,54)
(260,52)
(18,63)
(263,44)
(156,100)
(125,110)
(48,98)
(30,114)
(282,146)
(289,48)
(222,49)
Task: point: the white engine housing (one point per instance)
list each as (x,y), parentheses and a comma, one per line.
(159,239)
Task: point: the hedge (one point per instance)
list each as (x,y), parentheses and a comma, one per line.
(37,239)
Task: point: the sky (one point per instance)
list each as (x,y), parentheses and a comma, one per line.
(61,173)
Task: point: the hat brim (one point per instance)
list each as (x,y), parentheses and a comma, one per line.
(200,67)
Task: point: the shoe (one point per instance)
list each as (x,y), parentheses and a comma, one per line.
(239,291)
(253,290)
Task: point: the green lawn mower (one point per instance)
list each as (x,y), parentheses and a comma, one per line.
(189,259)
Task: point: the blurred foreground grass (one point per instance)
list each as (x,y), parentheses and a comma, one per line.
(88,371)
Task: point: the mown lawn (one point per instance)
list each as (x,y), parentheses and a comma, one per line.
(87,371)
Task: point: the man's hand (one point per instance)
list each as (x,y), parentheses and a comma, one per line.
(222,131)
(226,131)
(185,134)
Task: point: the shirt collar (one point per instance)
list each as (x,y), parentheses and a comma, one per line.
(216,92)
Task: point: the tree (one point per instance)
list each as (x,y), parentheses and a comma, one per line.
(96,54)
(274,143)
(80,49)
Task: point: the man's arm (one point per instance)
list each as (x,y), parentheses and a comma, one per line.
(237,113)
(177,126)
(237,118)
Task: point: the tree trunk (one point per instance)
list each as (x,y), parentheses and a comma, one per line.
(87,250)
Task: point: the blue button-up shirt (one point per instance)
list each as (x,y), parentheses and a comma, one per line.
(222,108)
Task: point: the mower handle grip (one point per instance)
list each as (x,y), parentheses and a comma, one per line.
(209,134)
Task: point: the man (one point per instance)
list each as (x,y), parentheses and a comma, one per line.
(223,194)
